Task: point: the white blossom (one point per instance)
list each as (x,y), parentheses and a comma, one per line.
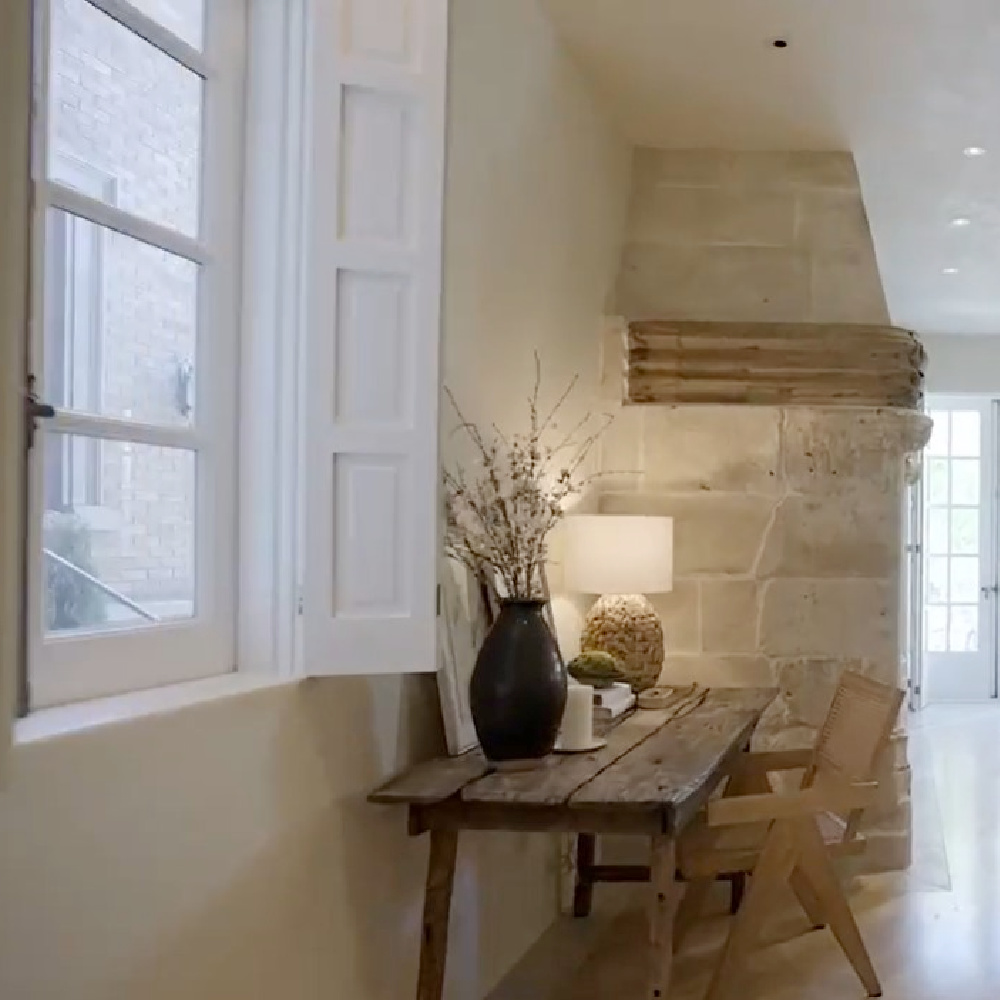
(499,516)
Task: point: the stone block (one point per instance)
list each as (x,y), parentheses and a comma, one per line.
(681,167)
(836,171)
(714,533)
(846,287)
(722,283)
(679,613)
(853,533)
(833,220)
(807,685)
(612,360)
(692,449)
(789,169)
(729,612)
(746,217)
(759,284)
(680,216)
(717,671)
(888,850)
(836,619)
(620,449)
(830,451)
(774,733)
(657,280)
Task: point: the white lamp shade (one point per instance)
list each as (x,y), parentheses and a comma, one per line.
(611,554)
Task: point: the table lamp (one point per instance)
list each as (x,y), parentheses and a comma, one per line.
(622,559)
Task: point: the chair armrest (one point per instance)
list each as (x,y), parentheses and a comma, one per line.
(764,761)
(807,802)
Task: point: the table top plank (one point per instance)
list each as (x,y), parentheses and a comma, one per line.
(433,780)
(677,767)
(559,776)
(653,762)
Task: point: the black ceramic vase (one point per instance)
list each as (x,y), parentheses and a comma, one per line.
(518,687)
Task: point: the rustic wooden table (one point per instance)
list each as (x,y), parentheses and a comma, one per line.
(654,775)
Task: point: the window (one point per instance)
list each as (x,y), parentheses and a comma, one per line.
(137,161)
(155,309)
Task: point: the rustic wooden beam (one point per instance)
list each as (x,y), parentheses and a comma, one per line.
(773,364)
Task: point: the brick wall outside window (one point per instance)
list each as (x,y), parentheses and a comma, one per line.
(129,116)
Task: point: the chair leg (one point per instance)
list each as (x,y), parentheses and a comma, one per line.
(738,889)
(583,891)
(819,870)
(808,899)
(776,862)
(690,906)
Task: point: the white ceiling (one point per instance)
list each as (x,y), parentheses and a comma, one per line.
(905,85)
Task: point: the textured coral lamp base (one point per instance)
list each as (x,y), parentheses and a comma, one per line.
(628,627)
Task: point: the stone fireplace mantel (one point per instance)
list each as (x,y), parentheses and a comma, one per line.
(788,524)
(749,286)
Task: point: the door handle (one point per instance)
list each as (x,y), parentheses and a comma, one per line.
(986,591)
(34,410)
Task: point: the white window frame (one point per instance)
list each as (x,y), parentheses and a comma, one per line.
(83,666)
(302,56)
(272,357)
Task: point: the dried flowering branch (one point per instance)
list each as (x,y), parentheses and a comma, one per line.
(497,521)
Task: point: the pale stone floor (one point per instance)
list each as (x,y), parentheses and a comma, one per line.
(933,932)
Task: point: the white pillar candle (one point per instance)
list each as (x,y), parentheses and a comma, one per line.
(578,720)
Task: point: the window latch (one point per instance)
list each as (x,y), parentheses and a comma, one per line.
(34,410)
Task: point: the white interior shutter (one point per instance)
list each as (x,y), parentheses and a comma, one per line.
(15,105)
(372,336)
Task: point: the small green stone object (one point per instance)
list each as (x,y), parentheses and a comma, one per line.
(597,668)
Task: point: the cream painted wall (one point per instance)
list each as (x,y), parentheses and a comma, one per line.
(537,196)
(15,97)
(225,851)
(963,364)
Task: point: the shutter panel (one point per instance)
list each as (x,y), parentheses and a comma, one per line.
(372,339)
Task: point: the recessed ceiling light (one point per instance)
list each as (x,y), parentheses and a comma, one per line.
(974,151)
(950,270)
(960,221)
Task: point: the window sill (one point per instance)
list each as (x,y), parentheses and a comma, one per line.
(65,720)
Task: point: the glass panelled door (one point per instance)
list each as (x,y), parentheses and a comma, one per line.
(960,592)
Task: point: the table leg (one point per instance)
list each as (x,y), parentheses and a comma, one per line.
(437,907)
(664,896)
(583,893)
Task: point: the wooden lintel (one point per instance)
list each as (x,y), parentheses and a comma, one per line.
(773,364)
